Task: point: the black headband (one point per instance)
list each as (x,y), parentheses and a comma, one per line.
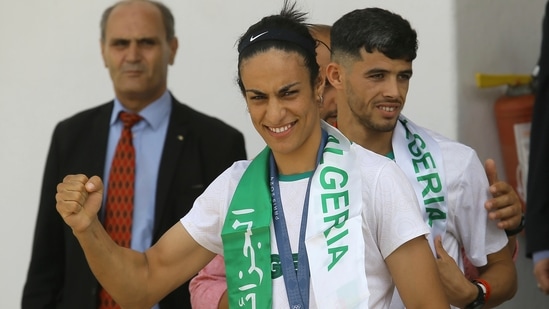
(278,35)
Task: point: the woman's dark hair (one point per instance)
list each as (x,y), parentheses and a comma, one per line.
(286,31)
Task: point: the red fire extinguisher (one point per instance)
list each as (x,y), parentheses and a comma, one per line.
(513,113)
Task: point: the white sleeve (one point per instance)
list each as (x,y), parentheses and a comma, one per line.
(398,216)
(204,221)
(480,236)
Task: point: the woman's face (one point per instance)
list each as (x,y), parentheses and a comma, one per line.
(283,106)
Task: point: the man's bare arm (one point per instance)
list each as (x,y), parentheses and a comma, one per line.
(413,279)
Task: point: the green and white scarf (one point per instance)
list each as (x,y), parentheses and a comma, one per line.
(419,156)
(334,241)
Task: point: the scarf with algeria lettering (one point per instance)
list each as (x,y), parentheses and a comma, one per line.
(419,156)
(333,236)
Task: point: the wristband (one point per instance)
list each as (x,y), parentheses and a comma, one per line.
(480,300)
(486,287)
(516,230)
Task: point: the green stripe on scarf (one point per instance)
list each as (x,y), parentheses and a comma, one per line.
(246,238)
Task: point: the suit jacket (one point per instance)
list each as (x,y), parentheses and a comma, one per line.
(537,204)
(58,275)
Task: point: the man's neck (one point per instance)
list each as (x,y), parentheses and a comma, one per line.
(378,142)
(136,102)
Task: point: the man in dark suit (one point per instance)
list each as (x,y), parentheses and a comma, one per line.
(178,152)
(537,206)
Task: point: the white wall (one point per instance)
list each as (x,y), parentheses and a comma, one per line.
(50,68)
(492,36)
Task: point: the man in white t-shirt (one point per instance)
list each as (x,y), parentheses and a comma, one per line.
(372,54)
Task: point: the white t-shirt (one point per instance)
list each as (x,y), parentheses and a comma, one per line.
(467,221)
(390,216)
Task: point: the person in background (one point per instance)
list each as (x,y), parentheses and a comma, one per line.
(333,201)
(537,201)
(372,54)
(178,152)
(321,33)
